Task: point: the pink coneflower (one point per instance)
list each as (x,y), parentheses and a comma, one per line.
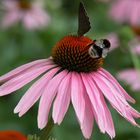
(72,74)
(31,14)
(126,11)
(134,81)
(12,135)
(114,40)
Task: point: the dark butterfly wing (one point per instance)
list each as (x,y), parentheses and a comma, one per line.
(83,21)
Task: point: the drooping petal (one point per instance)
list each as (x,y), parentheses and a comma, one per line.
(117,102)
(23,68)
(117,93)
(95,100)
(88,120)
(62,100)
(116,84)
(34,93)
(77,96)
(47,98)
(21,80)
(109,126)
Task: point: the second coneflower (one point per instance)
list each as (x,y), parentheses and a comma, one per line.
(30,13)
(12,135)
(74,74)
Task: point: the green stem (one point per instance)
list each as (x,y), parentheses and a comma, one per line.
(45,134)
(135,60)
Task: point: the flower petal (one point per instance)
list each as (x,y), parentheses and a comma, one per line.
(95,100)
(21,80)
(77,96)
(118,103)
(109,126)
(39,18)
(88,120)
(47,98)
(23,68)
(34,92)
(62,100)
(116,84)
(11,17)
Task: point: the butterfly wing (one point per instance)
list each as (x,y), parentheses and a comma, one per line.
(83,21)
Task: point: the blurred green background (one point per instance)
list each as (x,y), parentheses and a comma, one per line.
(19,46)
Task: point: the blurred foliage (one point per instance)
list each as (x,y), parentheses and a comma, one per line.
(33,137)
(19,46)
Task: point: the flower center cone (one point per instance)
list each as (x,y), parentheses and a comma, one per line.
(72,53)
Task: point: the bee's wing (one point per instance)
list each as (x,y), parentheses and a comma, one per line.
(83,21)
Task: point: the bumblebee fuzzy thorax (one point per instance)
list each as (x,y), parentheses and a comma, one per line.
(72,53)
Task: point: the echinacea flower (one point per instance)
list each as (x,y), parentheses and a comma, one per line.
(134,81)
(72,74)
(126,11)
(30,14)
(12,135)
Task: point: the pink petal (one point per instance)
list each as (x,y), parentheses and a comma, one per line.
(126,11)
(117,12)
(88,120)
(95,100)
(39,18)
(21,80)
(34,93)
(134,18)
(29,22)
(62,100)
(77,96)
(136,49)
(118,103)
(10,18)
(47,98)
(116,84)
(23,68)
(109,126)
(134,81)
(135,86)
(113,88)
